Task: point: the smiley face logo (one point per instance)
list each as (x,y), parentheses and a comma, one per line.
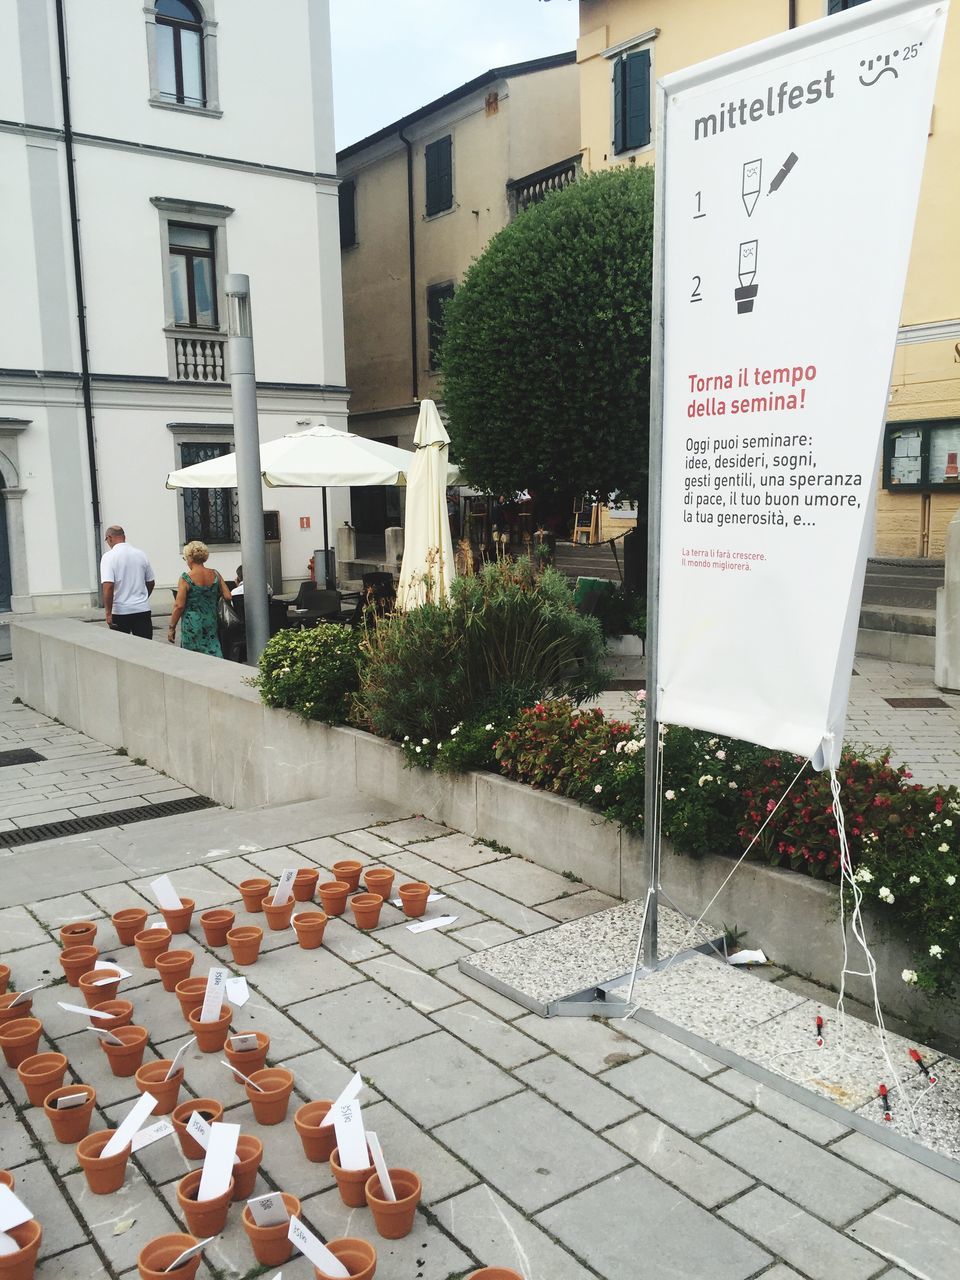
(883,61)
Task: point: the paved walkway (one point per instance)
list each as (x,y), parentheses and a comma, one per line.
(564,1148)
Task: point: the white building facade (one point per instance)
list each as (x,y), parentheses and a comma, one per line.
(145,151)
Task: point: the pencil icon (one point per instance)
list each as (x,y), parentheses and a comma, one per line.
(745,295)
(751,184)
(782,172)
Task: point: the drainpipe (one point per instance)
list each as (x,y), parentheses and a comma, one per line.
(791,14)
(411,249)
(78,278)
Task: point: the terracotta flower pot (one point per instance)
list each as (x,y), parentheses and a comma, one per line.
(81,933)
(150,1079)
(4,978)
(211,1036)
(150,943)
(247,1060)
(121,1014)
(21,1265)
(348,872)
(216,925)
(94,994)
(7,1179)
(72,1123)
(189,992)
(414,897)
(317,1143)
(159,1253)
(77,960)
(10,1012)
(351,1182)
(173,967)
(305,884)
(125,1058)
(358,1256)
(20,1039)
(177,919)
(209,1108)
(245,943)
(250,1151)
(271,1246)
(104,1173)
(309,926)
(366,909)
(379,880)
(394,1218)
(271,1100)
(253,893)
(128,924)
(279,917)
(41,1074)
(333,895)
(204,1217)
(494,1273)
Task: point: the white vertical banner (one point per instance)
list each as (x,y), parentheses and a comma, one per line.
(792,173)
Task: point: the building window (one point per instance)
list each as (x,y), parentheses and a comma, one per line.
(838,6)
(347,194)
(631,101)
(439,165)
(438,295)
(193,276)
(180,70)
(209,515)
(922,455)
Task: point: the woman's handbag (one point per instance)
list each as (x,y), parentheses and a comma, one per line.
(229,627)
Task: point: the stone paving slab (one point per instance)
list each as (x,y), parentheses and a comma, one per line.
(912,1235)
(675,1159)
(675,1096)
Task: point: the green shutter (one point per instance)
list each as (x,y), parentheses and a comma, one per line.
(618,101)
(347,193)
(439,172)
(637,95)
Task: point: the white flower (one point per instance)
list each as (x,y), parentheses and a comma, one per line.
(707,777)
(721,755)
(936,951)
(488,727)
(944,848)
(426,742)
(598,788)
(914,880)
(406,737)
(603,751)
(951,880)
(712,742)
(619,747)
(670,795)
(863,875)
(454,731)
(948,822)
(418,750)
(909,975)
(885,895)
(632,747)
(731,786)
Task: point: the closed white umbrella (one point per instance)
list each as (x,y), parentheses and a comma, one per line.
(428,565)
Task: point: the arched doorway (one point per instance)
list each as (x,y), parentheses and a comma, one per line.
(6,582)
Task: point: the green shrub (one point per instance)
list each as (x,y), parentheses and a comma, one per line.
(313,672)
(559,747)
(620,612)
(505,637)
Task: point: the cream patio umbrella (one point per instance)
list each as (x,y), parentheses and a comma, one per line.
(428,565)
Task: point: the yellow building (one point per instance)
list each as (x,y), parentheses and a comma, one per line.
(626,45)
(419,200)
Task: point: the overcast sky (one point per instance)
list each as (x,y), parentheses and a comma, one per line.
(392,56)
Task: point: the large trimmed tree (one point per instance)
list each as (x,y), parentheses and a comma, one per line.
(546,350)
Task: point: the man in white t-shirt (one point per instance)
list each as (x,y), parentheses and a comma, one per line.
(128,581)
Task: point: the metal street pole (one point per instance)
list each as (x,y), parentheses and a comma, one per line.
(246,434)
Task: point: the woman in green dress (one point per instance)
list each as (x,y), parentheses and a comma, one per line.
(197,594)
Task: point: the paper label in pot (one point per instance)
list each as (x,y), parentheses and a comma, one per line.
(109,972)
(87,1013)
(7,1245)
(130,1125)
(69,1100)
(316,1251)
(268,1211)
(153,1133)
(22,995)
(237,991)
(187,1254)
(13,1212)
(158,924)
(431,897)
(348,1094)
(383,1173)
(198,1129)
(243,1044)
(106,1037)
(178,1058)
(351,1139)
(218,1162)
(285,888)
(166,895)
(213,995)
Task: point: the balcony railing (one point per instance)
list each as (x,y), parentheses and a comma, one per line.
(197,357)
(523,192)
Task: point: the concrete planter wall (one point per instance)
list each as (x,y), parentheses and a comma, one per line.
(198,719)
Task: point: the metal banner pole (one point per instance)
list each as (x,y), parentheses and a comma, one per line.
(651,798)
(246,434)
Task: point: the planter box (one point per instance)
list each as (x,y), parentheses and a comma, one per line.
(198,719)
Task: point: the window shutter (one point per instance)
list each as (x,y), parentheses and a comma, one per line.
(439,170)
(618,103)
(445,146)
(347,193)
(637,95)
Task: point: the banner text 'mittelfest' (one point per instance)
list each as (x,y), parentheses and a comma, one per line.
(734,115)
